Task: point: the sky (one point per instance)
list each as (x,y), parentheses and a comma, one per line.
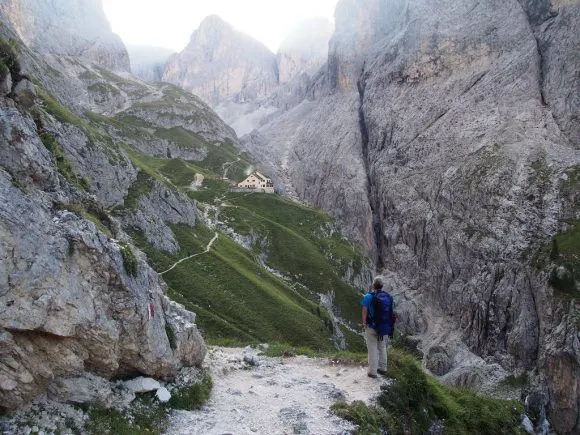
(170,23)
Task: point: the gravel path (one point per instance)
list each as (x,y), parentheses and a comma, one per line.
(253,394)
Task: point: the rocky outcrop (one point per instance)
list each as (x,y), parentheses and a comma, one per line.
(76,28)
(463,134)
(79,305)
(221,64)
(48,330)
(155,210)
(305,49)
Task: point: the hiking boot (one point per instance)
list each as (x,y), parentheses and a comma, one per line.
(382,372)
(370,375)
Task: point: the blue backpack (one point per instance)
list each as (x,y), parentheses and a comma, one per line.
(383,318)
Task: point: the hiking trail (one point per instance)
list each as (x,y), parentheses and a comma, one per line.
(254,394)
(177,263)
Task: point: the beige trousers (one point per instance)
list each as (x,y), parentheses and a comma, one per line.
(377,350)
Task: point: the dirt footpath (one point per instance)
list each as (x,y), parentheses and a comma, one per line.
(253,394)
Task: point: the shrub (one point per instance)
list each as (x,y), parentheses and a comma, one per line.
(415,401)
(129,260)
(9,59)
(62,162)
(145,415)
(192,397)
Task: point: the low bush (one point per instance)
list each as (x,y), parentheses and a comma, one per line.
(192,397)
(415,401)
(62,163)
(129,260)
(9,62)
(145,415)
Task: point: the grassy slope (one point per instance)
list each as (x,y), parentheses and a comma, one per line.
(234,296)
(296,245)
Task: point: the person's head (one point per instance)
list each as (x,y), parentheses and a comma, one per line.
(378,283)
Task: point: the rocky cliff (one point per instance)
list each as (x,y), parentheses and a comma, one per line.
(80,304)
(305,49)
(221,64)
(444,135)
(76,28)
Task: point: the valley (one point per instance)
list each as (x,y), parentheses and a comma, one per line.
(435,143)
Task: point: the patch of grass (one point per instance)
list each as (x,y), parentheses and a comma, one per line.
(516,381)
(566,255)
(342,357)
(103,89)
(210,190)
(406,344)
(192,397)
(179,172)
(143,185)
(218,154)
(92,212)
(560,258)
(52,106)
(145,415)
(416,400)
(16,182)
(573,181)
(62,162)
(181,136)
(129,260)
(354,342)
(370,419)
(133,121)
(88,75)
(230,342)
(9,60)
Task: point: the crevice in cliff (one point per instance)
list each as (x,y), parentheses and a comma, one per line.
(541,72)
(538,14)
(372,194)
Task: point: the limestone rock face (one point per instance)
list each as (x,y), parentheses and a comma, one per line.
(76,28)
(305,50)
(155,210)
(359,25)
(79,304)
(222,64)
(551,21)
(5,85)
(47,328)
(465,130)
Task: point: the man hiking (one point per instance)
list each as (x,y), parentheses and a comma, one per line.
(378,321)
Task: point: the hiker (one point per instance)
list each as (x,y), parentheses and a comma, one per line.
(378,322)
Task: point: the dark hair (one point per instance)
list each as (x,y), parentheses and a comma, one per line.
(378,283)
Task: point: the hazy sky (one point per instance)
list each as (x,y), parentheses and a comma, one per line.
(170,23)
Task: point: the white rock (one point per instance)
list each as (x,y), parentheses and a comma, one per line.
(142,385)
(527,425)
(163,394)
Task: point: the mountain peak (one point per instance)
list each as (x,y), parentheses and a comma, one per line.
(214,24)
(221,63)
